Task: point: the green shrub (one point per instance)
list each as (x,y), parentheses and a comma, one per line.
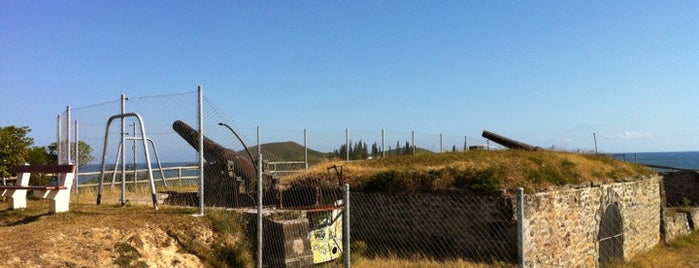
(386,181)
(127,256)
(479,180)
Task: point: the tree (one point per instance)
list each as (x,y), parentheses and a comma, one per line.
(14,148)
(84,152)
(407,149)
(374,150)
(40,155)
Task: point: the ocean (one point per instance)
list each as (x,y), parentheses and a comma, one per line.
(683,160)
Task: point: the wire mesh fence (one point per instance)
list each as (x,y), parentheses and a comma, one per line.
(435,226)
(302,221)
(152,136)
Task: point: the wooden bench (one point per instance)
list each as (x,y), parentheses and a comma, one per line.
(58,195)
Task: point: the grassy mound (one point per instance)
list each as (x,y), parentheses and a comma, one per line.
(477,171)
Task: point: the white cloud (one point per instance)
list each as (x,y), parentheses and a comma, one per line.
(631,134)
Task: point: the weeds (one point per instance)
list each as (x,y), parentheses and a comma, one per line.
(231,249)
(128,256)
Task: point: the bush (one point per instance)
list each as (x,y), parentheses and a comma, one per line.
(479,180)
(385,182)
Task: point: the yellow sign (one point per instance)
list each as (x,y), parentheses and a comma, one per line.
(326,235)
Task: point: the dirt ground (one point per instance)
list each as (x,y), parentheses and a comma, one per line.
(99,236)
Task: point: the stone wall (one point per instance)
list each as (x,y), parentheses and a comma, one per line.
(562,228)
(681,188)
(675,224)
(679,221)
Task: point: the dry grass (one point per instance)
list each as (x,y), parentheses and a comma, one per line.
(480,170)
(115,236)
(136,195)
(421,263)
(682,252)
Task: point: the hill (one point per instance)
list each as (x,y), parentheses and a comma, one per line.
(288,151)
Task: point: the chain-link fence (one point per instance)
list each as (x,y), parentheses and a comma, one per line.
(163,130)
(302,221)
(444,226)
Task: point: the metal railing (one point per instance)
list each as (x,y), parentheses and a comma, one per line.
(180,176)
(286,166)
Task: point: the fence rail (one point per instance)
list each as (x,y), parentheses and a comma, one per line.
(286,166)
(180,175)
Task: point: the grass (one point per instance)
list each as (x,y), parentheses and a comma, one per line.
(683,251)
(477,171)
(423,263)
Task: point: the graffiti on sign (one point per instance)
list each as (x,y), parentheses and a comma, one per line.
(326,235)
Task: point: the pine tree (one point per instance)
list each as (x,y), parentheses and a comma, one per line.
(343,151)
(365,151)
(374,150)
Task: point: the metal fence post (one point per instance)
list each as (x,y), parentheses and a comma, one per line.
(305,149)
(259,200)
(441,142)
(200,92)
(59,150)
(346,225)
(77,160)
(68,135)
(520,225)
(122,147)
(383,144)
(413,135)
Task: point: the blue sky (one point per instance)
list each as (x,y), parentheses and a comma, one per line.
(549,73)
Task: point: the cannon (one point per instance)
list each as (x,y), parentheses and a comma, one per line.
(227,174)
(509,143)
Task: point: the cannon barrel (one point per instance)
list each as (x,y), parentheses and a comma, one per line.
(215,153)
(509,143)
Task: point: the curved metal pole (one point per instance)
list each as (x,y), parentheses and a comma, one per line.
(241,141)
(116,164)
(148,162)
(145,149)
(157,158)
(104,159)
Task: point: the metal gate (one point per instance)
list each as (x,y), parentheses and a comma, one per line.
(611,236)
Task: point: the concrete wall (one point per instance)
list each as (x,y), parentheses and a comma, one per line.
(437,225)
(285,241)
(562,227)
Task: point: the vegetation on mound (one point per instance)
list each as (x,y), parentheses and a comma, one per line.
(477,171)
